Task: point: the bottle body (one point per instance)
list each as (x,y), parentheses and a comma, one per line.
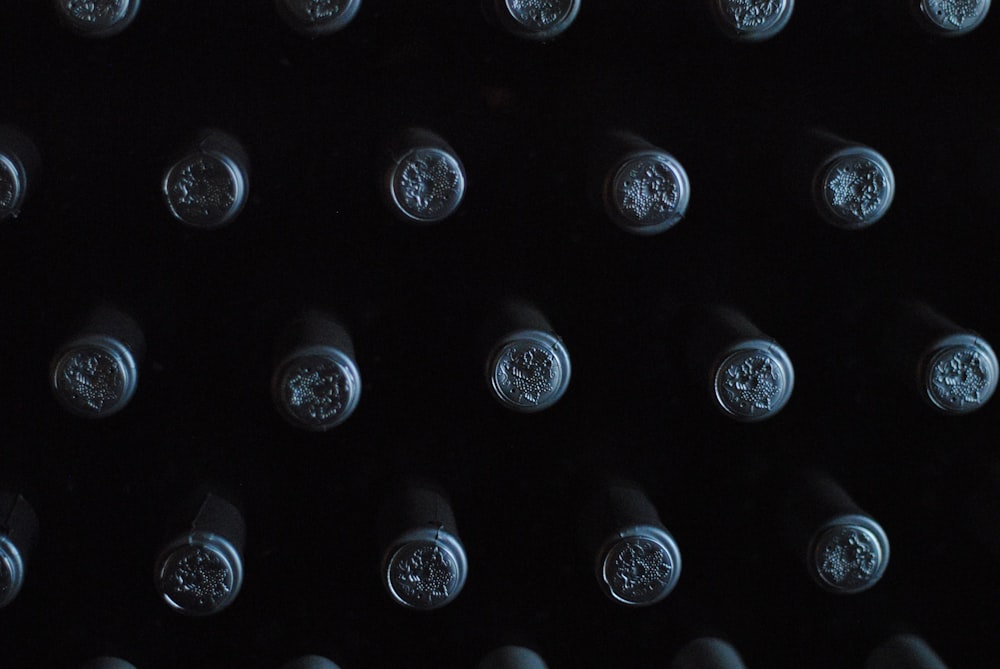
(643,189)
(512,657)
(423,179)
(845,550)
(20,164)
(636,560)
(904,651)
(18,537)
(708,653)
(851,186)
(527,365)
(424,564)
(748,374)
(206,185)
(951,369)
(316,383)
(199,571)
(95,373)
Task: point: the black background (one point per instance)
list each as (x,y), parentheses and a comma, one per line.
(314,115)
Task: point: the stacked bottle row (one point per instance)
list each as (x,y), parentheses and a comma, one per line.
(634,557)
(901,650)
(424,566)
(743,20)
(641,188)
(746,374)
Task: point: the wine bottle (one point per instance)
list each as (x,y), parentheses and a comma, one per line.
(849,184)
(636,560)
(20,165)
(642,188)
(904,651)
(708,653)
(96,19)
(953,370)
(206,185)
(95,373)
(844,549)
(423,180)
(316,384)
(315,18)
(310,662)
(532,20)
(18,537)
(424,564)
(199,572)
(528,366)
(752,20)
(746,373)
(512,657)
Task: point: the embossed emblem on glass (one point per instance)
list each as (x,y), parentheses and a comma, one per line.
(753,19)
(424,574)
(961,376)
(197,578)
(203,190)
(318,17)
(97,18)
(754,381)
(530,371)
(428,184)
(953,17)
(538,19)
(95,377)
(856,187)
(11,187)
(318,390)
(648,193)
(849,558)
(639,570)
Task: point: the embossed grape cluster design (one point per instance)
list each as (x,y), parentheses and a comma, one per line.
(204,186)
(93,11)
(428,184)
(321,10)
(426,571)
(650,191)
(93,378)
(201,577)
(750,14)
(640,567)
(961,378)
(858,189)
(8,188)
(318,392)
(540,13)
(530,372)
(956,12)
(850,557)
(752,383)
